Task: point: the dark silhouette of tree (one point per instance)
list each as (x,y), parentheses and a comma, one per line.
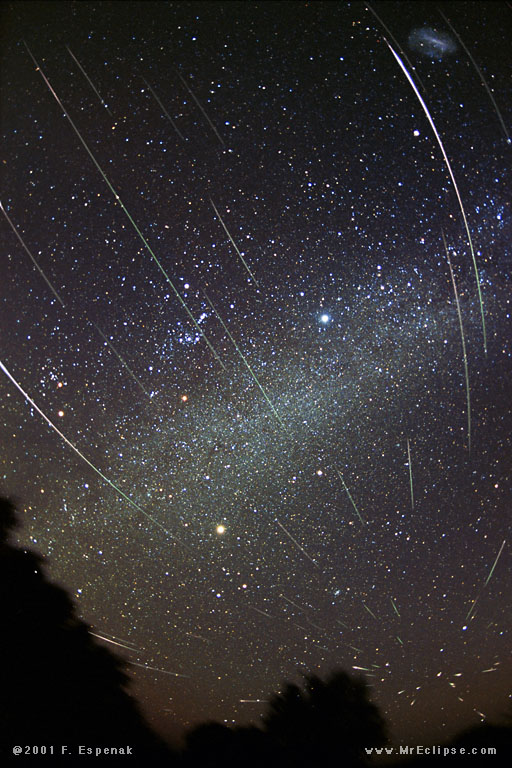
(481,738)
(329,723)
(208,745)
(213,745)
(59,686)
(473,744)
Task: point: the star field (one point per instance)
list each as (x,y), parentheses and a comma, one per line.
(229,235)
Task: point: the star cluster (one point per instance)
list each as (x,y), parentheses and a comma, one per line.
(251,412)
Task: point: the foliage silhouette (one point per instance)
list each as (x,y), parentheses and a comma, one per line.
(59,685)
(483,738)
(329,723)
(213,745)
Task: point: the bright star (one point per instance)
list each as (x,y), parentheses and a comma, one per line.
(324,318)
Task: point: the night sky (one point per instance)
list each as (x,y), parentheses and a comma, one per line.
(254,283)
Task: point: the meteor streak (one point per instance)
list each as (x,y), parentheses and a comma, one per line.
(350,496)
(114,642)
(157,669)
(242,356)
(370,612)
(202,110)
(463,341)
(395,608)
(125,211)
(234,244)
(121,360)
(473,606)
(267,615)
(34,262)
(164,109)
(296,605)
(475,601)
(395,41)
(452,177)
(409,464)
(84,73)
(85,459)
(198,637)
(495,563)
(59,298)
(482,78)
(296,544)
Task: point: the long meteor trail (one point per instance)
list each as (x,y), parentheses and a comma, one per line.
(125,210)
(350,496)
(121,360)
(409,464)
(495,563)
(60,299)
(114,642)
(296,544)
(463,342)
(452,177)
(150,89)
(85,459)
(234,244)
(84,73)
(156,669)
(242,356)
(395,41)
(475,601)
(32,258)
(370,612)
(482,78)
(202,109)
